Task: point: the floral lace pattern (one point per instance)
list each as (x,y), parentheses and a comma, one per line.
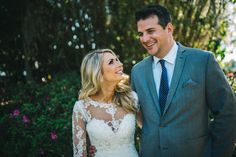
(79,144)
(106,125)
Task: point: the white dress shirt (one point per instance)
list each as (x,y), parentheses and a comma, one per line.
(169,64)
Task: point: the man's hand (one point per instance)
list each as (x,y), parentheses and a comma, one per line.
(92,151)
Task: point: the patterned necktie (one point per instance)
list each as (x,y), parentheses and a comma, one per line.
(164,87)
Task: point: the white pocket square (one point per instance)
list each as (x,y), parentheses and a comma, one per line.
(189,83)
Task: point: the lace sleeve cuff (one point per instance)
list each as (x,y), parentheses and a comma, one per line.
(79,133)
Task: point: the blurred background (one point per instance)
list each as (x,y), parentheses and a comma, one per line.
(42,43)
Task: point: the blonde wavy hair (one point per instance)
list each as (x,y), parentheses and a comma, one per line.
(91,76)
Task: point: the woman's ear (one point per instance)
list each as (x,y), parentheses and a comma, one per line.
(101,79)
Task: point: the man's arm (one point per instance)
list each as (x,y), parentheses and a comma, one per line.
(222,104)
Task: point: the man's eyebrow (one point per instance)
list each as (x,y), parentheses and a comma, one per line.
(149,29)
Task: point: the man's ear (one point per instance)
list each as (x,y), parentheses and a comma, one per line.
(170,28)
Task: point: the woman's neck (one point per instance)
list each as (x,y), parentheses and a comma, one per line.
(106,94)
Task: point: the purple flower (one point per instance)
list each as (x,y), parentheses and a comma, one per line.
(16,112)
(41,151)
(25,119)
(53,135)
(48,98)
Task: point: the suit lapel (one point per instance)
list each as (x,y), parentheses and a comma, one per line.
(151,83)
(179,64)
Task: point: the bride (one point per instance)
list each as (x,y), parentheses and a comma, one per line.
(104,115)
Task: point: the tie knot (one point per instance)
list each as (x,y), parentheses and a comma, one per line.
(162,62)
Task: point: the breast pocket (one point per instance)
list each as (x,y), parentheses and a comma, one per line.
(190,83)
(192,88)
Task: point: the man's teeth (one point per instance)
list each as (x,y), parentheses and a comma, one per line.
(149,45)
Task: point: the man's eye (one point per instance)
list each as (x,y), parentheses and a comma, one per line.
(150,31)
(140,34)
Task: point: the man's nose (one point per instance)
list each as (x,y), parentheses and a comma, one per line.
(144,38)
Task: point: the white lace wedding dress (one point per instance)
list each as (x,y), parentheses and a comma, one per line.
(109,128)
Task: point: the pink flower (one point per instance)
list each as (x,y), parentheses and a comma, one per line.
(25,119)
(53,135)
(230,74)
(16,112)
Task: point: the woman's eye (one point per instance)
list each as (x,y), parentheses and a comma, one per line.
(111,62)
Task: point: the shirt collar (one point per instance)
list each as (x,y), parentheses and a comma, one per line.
(170,57)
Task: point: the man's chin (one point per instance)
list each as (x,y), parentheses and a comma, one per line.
(151,52)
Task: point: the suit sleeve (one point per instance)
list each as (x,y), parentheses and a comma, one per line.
(222,104)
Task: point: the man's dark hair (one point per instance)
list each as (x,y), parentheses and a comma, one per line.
(161,12)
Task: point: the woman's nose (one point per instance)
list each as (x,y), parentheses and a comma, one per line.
(119,63)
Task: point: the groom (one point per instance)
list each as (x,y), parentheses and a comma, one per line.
(179,87)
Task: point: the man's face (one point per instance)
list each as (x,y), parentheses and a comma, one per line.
(153,37)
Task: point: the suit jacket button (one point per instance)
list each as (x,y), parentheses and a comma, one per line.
(162,125)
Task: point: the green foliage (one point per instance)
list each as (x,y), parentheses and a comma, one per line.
(231,76)
(216,48)
(53,36)
(37,122)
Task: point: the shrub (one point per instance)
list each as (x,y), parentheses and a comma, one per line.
(37,121)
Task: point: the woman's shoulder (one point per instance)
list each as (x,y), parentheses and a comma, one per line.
(79,102)
(134,95)
(79,105)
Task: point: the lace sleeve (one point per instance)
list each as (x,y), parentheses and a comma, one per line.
(135,97)
(78,131)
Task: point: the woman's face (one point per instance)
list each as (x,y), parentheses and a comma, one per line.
(112,68)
